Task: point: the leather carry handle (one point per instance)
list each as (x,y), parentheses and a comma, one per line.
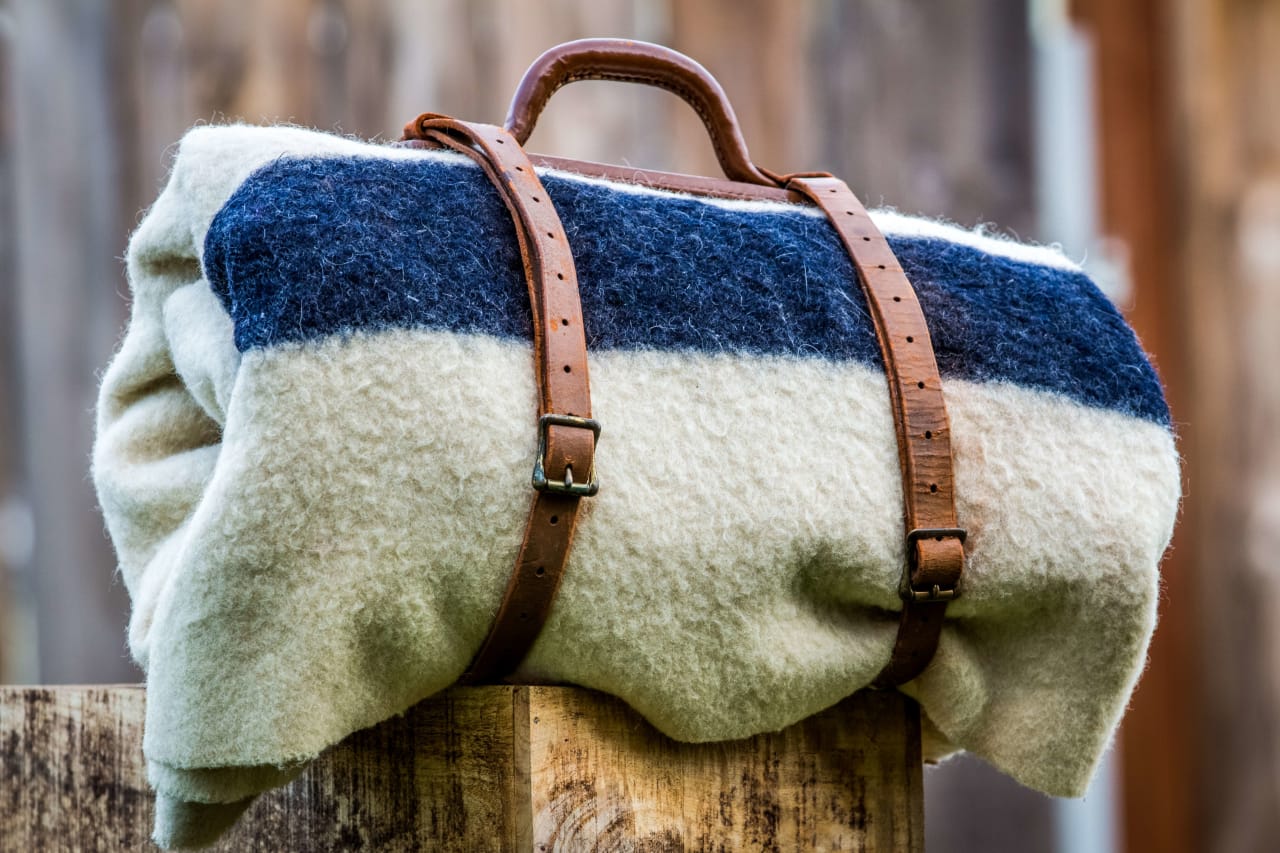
(934,541)
(629,61)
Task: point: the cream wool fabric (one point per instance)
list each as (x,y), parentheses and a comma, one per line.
(315,536)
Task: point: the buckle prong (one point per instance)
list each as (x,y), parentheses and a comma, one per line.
(568,487)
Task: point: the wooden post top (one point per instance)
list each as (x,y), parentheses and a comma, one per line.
(488,768)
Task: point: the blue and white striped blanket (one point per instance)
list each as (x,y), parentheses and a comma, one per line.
(315,443)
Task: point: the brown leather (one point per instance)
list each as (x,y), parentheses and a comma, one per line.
(674,181)
(636,62)
(934,543)
(935,547)
(560,356)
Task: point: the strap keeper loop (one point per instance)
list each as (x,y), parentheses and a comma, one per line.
(935,592)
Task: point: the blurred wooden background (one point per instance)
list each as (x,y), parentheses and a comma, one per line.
(925,106)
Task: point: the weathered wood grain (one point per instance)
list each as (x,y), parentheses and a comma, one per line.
(494,768)
(846,779)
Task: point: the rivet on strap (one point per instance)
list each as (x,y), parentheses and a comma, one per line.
(564,470)
(934,541)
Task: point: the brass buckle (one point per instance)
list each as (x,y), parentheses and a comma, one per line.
(568,487)
(906,591)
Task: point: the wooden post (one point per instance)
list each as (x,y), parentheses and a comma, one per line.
(490,768)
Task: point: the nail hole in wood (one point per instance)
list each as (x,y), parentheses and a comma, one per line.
(568,369)
(540,571)
(897,299)
(919,384)
(555,519)
(910,339)
(564,321)
(928,433)
(933,487)
(560,276)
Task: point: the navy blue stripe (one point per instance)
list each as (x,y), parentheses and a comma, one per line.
(314,247)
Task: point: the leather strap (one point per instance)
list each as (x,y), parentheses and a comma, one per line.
(629,61)
(935,545)
(564,470)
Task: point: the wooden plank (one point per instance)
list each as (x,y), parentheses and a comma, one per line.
(602,777)
(71,770)
(491,768)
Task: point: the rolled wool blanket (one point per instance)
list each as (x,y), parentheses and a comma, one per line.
(315,443)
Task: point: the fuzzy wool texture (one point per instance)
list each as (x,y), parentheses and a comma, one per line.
(312,247)
(316,492)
